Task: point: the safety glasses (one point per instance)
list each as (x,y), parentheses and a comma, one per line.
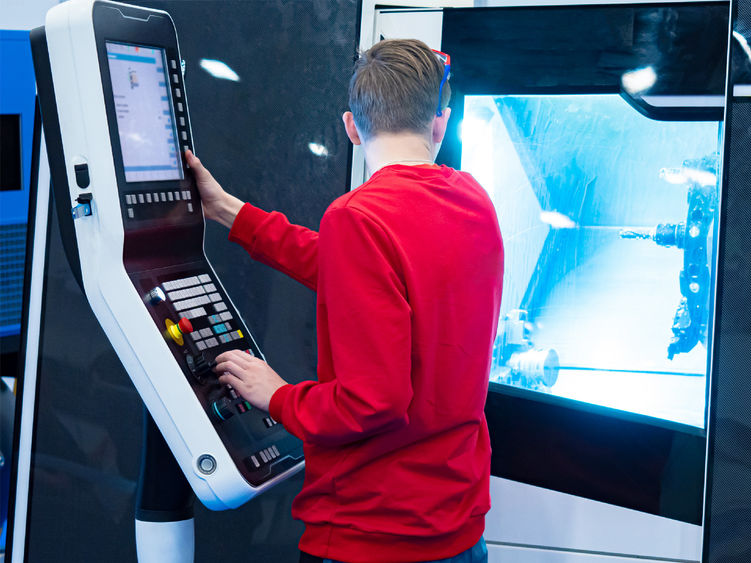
(446,60)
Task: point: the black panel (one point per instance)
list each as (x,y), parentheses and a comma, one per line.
(629,463)
(727,532)
(627,460)
(10,152)
(294,61)
(585,50)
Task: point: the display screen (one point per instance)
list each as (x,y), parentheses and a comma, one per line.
(608,220)
(145,119)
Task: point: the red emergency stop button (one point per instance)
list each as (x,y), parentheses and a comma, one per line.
(175,332)
(185,326)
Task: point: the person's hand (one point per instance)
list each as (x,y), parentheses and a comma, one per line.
(252,378)
(217,204)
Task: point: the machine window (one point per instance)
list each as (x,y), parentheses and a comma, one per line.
(608,220)
(145,119)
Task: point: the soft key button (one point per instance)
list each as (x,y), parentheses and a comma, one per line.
(206,332)
(219,307)
(204,278)
(214,297)
(195,313)
(226,316)
(209,287)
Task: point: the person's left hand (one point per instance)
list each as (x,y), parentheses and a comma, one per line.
(252,378)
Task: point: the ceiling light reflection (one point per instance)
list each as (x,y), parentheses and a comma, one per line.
(743,43)
(318,150)
(218,69)
(639,80)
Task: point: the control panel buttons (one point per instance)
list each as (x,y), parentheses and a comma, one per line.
(155,296)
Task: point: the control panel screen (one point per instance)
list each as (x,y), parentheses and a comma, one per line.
(145,120)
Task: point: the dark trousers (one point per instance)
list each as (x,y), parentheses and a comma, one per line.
(475,554)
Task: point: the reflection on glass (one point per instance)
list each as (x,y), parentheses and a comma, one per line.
(608,220)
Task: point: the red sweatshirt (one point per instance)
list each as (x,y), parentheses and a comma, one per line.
(408,270)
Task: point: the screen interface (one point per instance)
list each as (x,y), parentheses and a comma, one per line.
(608,220)
(145,120)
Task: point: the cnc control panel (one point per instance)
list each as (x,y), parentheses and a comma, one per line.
(116,122)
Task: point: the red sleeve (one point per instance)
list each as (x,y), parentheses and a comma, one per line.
(365,320)
(270,238)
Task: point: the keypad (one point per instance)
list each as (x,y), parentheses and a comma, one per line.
(190,297)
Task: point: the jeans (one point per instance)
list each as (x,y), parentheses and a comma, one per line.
(475,554)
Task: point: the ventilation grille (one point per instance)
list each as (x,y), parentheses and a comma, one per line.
(12,253)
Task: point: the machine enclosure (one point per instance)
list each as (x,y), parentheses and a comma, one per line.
(118,307)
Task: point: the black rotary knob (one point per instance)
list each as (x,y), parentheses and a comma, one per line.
(222,409)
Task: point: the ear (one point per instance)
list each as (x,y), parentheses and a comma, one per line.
(439,126)
(349,127)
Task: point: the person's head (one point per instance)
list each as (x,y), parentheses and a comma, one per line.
(394,90)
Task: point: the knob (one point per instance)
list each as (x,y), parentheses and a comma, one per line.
(222,409)
(176,331)
(155,296)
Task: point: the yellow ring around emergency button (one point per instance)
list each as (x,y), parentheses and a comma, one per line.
(173,331)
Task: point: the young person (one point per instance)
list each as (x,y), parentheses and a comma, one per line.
(408,270)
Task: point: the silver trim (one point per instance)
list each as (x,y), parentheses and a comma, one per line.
(31,361)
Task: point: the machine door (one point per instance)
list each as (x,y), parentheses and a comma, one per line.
(596,131)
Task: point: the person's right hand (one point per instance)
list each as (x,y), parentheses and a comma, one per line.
(217,204)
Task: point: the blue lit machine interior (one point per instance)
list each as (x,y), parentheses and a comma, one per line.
(608,219)
(595,129)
